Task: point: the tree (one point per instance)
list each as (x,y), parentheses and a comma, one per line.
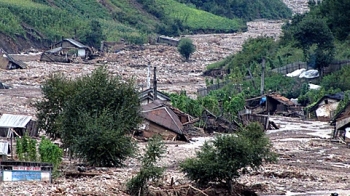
(154,151)
(186,48)
(95,116)
(337,14)
(316,40)
(56,91)
(94,35)
(223,159)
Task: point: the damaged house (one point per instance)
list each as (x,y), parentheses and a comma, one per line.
(8,62)
(341,123)
(273,104)
(213,123)
(162,119)
(66,51)
(324,109)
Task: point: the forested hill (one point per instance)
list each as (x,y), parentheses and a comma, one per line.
(38,23)
(244,9)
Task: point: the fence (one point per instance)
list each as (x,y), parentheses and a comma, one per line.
(336,66)
(290,68)
(201,92)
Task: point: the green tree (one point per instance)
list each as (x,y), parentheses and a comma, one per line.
(155,149)
(186,48)
(94,36)
(316,40)
(56,91)
(95,117)
(223,159)
(337,14)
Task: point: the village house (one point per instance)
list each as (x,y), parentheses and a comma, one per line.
(65,51)
(160,119)
(325,107)
(273,104)
(341,123)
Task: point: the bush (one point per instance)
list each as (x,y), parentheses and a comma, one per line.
(186,48)
(50,153)
(223,159)
(26,148)
(154,151)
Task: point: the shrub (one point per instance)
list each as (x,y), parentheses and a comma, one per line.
(154,151)
(223,159)
(50,153)
(26,148)
(186,48)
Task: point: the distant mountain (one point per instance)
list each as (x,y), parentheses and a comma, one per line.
(39,23)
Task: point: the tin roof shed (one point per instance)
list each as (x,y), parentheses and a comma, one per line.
(14,121)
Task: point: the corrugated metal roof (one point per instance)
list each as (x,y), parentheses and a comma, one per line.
(76,43)
(14,121)
(18,62)
(54,50)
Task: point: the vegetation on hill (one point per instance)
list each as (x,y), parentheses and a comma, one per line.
(133,21)
(244,9)
(313,37)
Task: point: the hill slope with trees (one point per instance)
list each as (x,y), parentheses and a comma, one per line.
(38,23)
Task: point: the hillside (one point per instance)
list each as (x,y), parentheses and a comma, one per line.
(246,10)
(39,23)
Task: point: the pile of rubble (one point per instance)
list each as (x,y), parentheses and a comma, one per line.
(298,6)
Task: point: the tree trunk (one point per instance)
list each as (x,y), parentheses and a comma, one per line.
(229,186)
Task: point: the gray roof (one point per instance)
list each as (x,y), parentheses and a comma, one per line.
(14,121)
(54,50)
(17,62)
(76,43)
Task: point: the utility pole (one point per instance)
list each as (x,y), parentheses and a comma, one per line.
(262,76)
(154,84)
(148,76)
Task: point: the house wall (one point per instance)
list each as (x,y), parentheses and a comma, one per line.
(326,111)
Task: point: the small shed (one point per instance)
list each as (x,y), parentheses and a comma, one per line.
(19,124)
(324,109)
(168,40)
(147,96)
(8,62)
